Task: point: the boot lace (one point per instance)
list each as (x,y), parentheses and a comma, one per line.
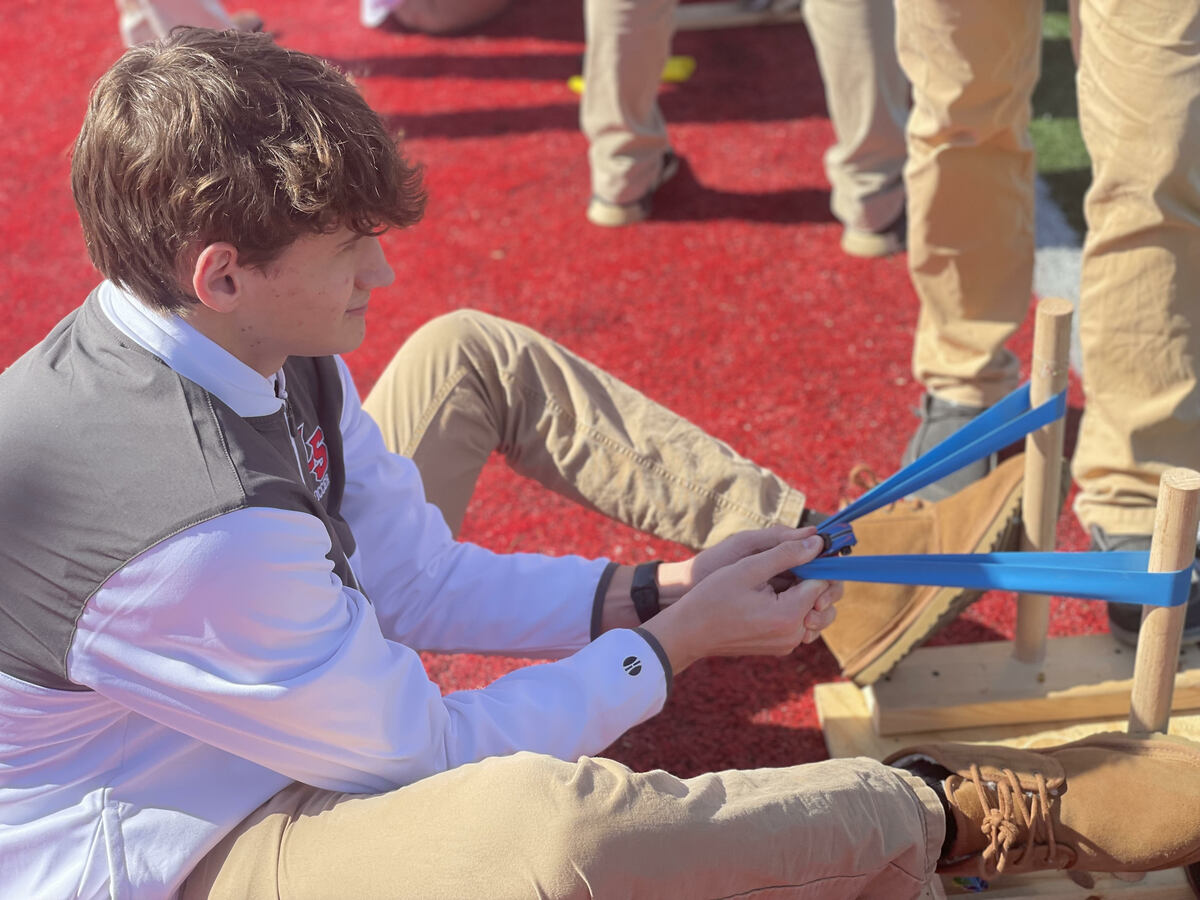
(1015,812)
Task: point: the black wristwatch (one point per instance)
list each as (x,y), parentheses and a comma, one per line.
(644,590)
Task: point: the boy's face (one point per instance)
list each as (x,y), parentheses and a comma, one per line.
(312,300)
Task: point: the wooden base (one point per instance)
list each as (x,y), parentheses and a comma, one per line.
(972,685)
(846,720)
(697,16)
(1169,885)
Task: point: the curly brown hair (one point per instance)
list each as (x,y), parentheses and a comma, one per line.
(214,136)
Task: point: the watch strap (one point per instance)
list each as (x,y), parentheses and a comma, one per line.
(644,590)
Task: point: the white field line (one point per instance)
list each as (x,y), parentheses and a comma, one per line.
(1056,263)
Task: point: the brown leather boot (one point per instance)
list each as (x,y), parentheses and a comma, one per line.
(1110,802)
(879,624)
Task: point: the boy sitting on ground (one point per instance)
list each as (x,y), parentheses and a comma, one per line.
(217,575)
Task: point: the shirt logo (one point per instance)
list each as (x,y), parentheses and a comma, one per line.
(318,458)
(632,665)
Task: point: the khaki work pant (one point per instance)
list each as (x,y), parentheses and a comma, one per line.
(529,826)
(970,179)
(532,826)
(468,384)
(628,42)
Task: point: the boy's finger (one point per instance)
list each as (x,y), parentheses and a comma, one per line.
(763,566)
(766,538)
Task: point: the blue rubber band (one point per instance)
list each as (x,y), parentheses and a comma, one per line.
(1007,421)
(1116,576)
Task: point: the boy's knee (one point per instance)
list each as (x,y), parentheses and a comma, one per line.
(448,336)
(567,805)
(459,326)
(486,341)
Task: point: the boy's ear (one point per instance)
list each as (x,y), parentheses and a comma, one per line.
(217,278)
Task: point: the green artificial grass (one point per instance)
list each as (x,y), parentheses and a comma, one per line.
(1062,160)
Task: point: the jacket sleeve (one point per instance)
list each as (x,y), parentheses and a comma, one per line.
(434,593)
(238,633)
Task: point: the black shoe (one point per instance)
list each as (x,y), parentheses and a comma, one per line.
(939,420)
(1125,619)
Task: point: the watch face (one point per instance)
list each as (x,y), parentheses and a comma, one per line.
(644,591)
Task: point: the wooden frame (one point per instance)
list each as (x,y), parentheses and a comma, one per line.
(1032,692)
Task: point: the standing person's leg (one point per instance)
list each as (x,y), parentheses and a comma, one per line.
(628,42)
(467,384)
(529,825)
(1139,317)
(867,96)
(970,176)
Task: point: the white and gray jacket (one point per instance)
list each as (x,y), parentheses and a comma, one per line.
(213,584)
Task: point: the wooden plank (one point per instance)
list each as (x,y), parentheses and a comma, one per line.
(972,685)
(846,721)
(1167,885)
(708,15)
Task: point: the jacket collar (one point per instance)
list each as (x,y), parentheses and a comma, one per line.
(191,354)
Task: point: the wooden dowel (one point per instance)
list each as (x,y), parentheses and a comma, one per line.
(1172,547)
(1043,467)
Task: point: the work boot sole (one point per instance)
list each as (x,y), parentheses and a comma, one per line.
(937,606)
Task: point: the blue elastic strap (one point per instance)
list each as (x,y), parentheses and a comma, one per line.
(1117,576)
(1007,421)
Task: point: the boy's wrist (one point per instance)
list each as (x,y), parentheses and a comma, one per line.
(643,590)
(672,581)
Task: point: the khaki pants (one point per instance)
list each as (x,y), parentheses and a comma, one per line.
(468,384)
(628,42)
(528,826)
(531,826)
(970,177)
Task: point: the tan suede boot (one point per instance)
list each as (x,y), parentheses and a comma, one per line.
(1110,802)
(879,624)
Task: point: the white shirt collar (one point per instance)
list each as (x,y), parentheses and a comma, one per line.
(191,354)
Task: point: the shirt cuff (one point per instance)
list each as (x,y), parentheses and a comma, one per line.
(598,601)
(668,672)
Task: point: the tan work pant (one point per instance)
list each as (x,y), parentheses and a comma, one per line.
(468,384)
(970,178)
(628,42)
(532,826)
(528,826)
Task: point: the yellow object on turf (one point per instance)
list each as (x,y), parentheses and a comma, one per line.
(677,70)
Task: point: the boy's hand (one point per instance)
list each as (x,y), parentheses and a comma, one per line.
(676,579)
(735,610)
